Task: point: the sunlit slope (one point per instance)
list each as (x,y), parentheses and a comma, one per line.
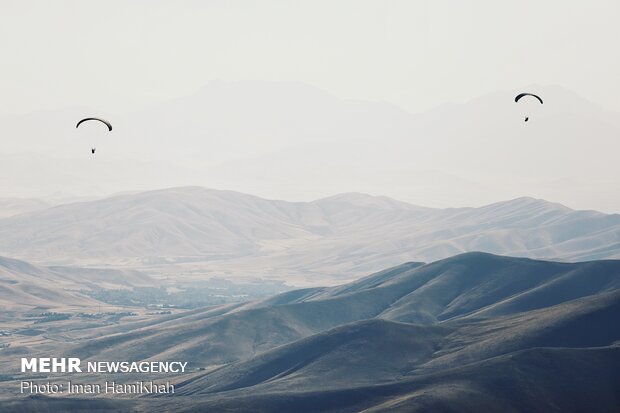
(342,237)
(25,286)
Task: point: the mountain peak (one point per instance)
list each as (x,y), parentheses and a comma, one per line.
(525,202)
(361,199)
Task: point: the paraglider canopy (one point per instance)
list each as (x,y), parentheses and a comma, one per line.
(108,124)
(520,95)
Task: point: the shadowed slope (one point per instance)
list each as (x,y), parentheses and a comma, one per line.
(468,289)
(366,352)
(483,333)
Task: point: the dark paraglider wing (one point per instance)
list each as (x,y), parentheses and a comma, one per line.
(108,124)
(520,95)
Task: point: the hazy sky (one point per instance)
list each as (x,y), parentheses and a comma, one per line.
(122,55)
(121,58)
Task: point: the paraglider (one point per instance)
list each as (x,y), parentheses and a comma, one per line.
(105,122)
(521,95)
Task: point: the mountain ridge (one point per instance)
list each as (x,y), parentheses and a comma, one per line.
(406,293)
(298,143)
(476,331)
(351,234)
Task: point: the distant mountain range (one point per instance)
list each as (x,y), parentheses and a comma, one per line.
(305,243)
(293,141)
(475,332)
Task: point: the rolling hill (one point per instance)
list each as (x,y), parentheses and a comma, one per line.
(473,332)
(26,286)
(488,294)
(304,243)
(470,333)
(557,354)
